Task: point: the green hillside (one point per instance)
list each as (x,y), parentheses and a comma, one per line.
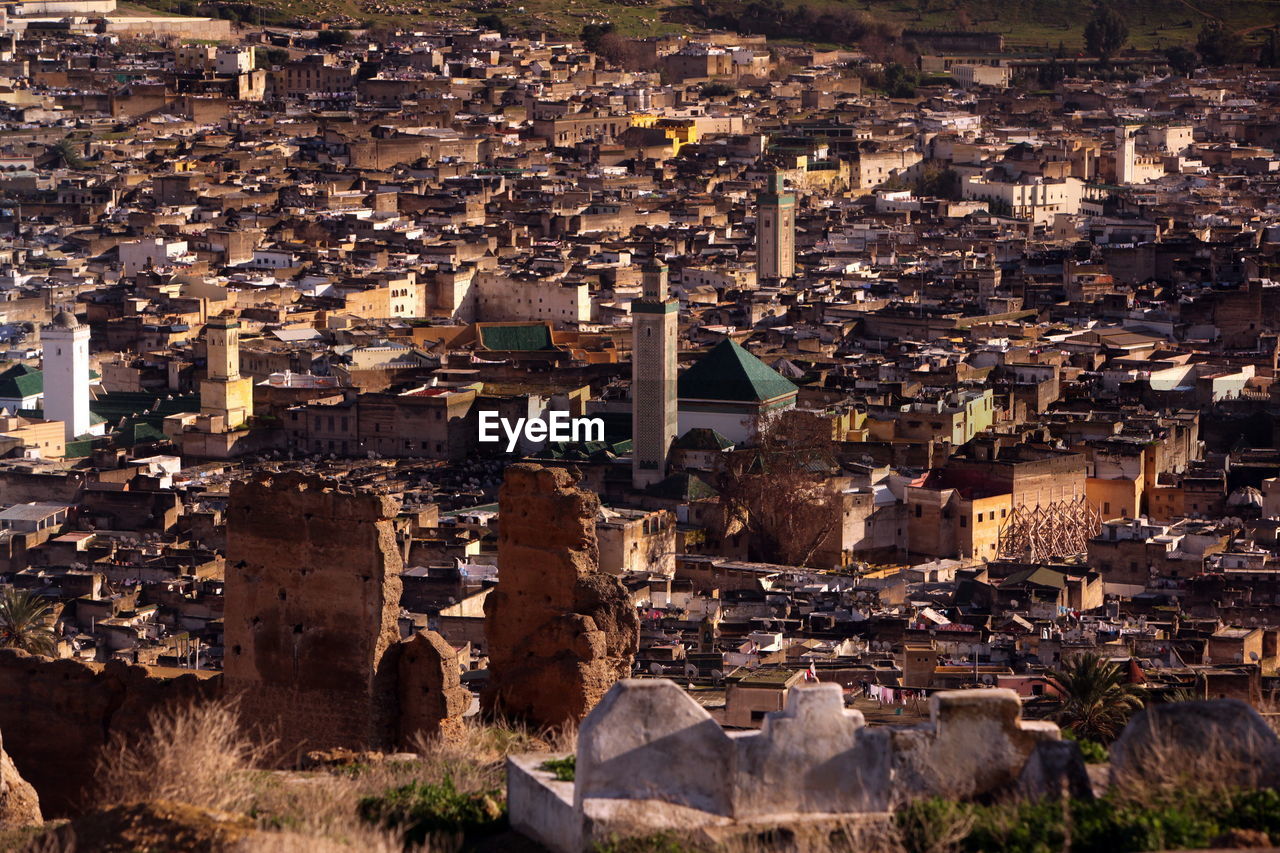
(1027,24)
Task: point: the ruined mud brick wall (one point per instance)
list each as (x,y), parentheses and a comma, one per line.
(560,631)
(429,688)
(312,599)
(56,715)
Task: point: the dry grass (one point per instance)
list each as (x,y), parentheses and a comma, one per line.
(1166,767)
(198,754)
(323,805)
(193,753)
(872,834)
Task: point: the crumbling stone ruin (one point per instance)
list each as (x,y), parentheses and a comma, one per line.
(56,716)
(560,632)
(314,653)
(431,696)
(312,600)
(312,596)
(19,804)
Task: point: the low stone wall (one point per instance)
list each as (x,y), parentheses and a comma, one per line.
(213,29)
(56,715)
(651,759)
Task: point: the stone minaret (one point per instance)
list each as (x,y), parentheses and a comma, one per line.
(654,329)
(1126,155)
(776,231)
(225,393)
(66,373)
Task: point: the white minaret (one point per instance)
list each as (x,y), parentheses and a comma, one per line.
(66,373)
(775,231)
(1126,154)
(654,329)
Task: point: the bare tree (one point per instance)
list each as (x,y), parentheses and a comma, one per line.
(781,492)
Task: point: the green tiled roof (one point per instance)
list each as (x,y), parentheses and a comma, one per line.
(702,438)
(138,417)
(78,449)
(584,450)
(126,404)
(516,338)
(139,432)
(730,373)
(21,381)
(38,415)
(682,487)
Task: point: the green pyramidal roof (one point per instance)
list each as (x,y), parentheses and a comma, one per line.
(728,372)
(21,381)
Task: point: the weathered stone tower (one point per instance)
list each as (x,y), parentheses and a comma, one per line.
(312,600)
(225,393)
(654,330)
(776,231)
(560,631)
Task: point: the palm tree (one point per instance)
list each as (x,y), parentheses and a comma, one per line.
(24,623)
(66,154)
(1094,700)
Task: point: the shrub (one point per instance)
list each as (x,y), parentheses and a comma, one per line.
(1106,825)
(423,809)
(1092,751)
(562,768)
(1103,826)
(1039,827)
(933,825)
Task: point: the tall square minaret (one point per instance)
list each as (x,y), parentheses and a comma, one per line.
(775,231)
(224,393)
(1126,155)
(66,373)
(654,329)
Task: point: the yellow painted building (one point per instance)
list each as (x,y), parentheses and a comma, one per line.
(1117,498)
(680,131)
(46,437)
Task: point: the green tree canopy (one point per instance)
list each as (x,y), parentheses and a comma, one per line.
(493,22)
(1094,700)
(24,622)
(1181,59)
(1106,32)
(1216,45)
